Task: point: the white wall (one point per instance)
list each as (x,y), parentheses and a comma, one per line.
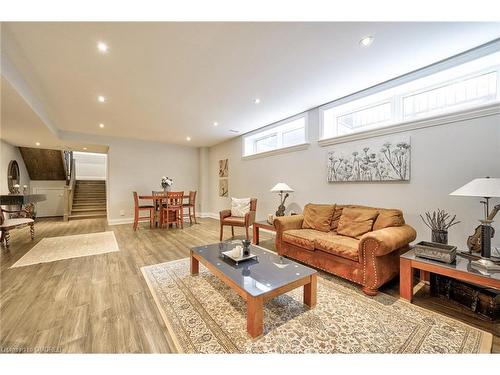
(444,158)
(139,165)
(54,192)
(8,153)
(90,166)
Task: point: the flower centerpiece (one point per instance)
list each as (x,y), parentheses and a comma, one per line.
(166,183)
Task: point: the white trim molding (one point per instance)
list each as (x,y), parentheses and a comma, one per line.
(469,114)
(278,151)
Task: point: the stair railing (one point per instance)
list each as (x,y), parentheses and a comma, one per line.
(69,191)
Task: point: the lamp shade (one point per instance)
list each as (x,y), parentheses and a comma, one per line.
(480,187)
(281,186)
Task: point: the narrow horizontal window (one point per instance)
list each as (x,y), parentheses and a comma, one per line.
(287,133)
(464,86)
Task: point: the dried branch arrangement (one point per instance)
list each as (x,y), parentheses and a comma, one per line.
(439,220)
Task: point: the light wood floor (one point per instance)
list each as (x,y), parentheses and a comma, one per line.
(101,303)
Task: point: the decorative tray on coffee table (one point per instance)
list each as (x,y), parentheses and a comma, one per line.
(236,256)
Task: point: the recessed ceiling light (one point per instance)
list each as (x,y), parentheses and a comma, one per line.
(188,138)
(37,143)
(366,41)
(256,100)
(102,47)
(216,123)
(85,149)
(101,99)
(101,125)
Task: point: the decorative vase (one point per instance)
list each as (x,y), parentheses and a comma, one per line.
(440,236)
(166,189)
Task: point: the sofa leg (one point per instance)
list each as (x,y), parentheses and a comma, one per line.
(369,291)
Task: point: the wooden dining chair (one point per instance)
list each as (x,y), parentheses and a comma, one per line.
(171,209)
(138,208)
(191,205)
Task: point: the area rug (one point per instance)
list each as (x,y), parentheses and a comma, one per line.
(52,249)
(203,315)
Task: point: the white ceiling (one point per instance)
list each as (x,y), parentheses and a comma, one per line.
(21,126)
(167,81)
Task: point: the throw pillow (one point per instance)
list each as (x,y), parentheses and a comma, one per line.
(355,222)
(240,206)
(389,218)
(318,216)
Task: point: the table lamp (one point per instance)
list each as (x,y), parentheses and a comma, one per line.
(485,188)
(281,188)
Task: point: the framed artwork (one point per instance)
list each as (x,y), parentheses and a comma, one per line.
(223,188)
(223,168)
(371,160)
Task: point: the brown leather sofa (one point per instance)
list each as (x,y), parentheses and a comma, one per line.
(369,259)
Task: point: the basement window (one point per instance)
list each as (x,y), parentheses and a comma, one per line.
(282,135)
(446,88)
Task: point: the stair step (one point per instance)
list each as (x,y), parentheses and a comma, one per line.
(90,209)
(86,216)
(87,204)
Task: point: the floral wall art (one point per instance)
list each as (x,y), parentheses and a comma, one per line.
(374,160)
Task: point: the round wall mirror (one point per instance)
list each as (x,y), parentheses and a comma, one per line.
(13,176)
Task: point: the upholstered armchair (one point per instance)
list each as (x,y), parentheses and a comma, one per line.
(19,219)
(234,221)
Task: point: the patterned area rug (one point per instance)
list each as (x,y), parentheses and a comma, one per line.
(52,249)
(203,315)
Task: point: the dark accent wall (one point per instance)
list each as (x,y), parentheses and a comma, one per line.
(43,164)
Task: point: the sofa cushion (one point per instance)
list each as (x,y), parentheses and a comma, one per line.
(355,222)
(345,247)
(388,218)
(301,237)
(318,216)
(337,213)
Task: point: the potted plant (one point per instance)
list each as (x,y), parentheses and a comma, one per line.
(166,183)
(439,222)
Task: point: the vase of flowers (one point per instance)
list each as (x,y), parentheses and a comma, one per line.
(166,183)
(439,222)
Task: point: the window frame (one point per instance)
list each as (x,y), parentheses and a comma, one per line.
(303,145)
(400,124)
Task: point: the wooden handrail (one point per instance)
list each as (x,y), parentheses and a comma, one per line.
(69,191)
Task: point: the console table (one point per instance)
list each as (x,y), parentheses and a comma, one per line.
(461,269)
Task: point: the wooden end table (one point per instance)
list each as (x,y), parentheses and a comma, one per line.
(261,224)
(461,269)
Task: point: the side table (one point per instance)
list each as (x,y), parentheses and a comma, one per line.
(261,224)
(461,269)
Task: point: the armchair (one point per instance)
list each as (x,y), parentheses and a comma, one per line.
(21,218)
(233,221)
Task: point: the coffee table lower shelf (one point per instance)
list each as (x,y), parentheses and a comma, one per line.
(255,304)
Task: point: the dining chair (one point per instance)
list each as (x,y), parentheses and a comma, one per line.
(138,208)
(191,205)
(171,209)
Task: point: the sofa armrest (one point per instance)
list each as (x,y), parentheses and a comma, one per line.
(389,239)
(224,213)
(284,223)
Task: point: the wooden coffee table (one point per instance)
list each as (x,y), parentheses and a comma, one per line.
(256,280)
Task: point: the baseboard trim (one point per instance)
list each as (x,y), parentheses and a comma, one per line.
(130,220)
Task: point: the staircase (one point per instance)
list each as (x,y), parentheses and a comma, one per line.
(89,200)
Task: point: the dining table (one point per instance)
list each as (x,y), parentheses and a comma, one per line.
(155,199)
